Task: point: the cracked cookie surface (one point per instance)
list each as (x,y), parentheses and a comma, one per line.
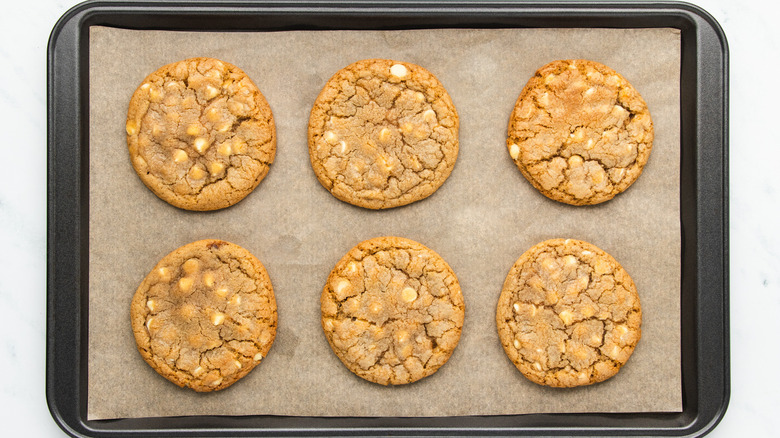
(205,316)
(383,134)
(392,310)
(201,136)
(580,132)
(568,314)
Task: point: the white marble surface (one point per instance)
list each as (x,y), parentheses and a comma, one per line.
(754,39)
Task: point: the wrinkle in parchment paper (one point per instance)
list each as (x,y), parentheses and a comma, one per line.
(480,221)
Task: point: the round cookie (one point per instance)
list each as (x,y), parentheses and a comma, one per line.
(579,132)
(383,134)
(392,310)
(201,136)
(205,315)
(569,314)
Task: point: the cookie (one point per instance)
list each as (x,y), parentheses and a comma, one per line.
(392,310)
(201,136)
(569,314)
(205,315)
(579,132)
(383,134)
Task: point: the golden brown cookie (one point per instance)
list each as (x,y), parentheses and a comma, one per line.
(392,310)
(568,314)
(383,134)
(205,315)
(201,136)
(580,133)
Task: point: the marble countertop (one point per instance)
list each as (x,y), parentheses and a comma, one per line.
(754,41)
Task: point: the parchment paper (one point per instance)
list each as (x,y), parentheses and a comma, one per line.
(480,221)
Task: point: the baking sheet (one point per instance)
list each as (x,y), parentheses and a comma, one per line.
(479,221)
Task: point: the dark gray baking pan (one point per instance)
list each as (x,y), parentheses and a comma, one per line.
(703,201)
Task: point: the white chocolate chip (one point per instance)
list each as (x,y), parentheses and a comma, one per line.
(429,116)
(514,151)
(211,92)
(516,343)
(399,71)
(193,130)
(217,318)
(549,265)
(330,137)
(617,174)
(384,135)
(201,144)
(155,95)
(149,323)
(164,274)
(216,382)
(197,371)
(544,100)
(208,279)
(586,253)
(351,268)
(516,306)
(235,299)
(224,149)
(131,127)
(239,145)
(224,126)
(538,366)
(180,156)
(419,97)
(258,357)
(589,91)
(401,336)
(342,286)
(221,292)
(238,364)
(212,115)
(408,294)
(185,284)
(375,307)
(215,168)
(567,317)
(575,161)
(151,305)
(190,266)
(196,172)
